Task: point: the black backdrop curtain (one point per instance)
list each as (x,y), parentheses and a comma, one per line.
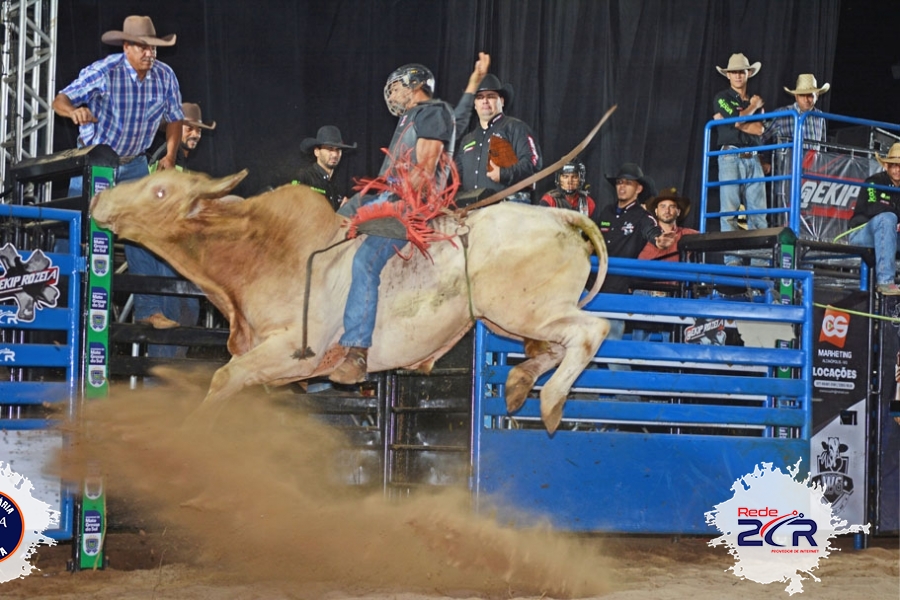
(270,72)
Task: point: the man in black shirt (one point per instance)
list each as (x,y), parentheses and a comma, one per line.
(874,221)
(737,102)
(502,150)
(327,148)
(627,228)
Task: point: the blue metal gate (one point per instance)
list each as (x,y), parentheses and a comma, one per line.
(40,340)
(651,449)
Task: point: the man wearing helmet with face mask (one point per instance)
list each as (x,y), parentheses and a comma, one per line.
(425,132)
(571,191)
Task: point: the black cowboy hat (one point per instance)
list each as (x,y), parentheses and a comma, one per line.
(633,172)
(491,83)
(328,135)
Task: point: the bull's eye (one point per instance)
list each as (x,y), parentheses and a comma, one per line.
(160,193)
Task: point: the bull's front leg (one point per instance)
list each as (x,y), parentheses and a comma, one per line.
(270,362)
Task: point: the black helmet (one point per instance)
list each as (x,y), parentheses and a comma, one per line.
(574,167)
(411,76)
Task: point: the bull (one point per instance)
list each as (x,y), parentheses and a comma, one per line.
(520,269)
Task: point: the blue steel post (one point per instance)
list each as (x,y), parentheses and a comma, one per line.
(704,189)
(477,409)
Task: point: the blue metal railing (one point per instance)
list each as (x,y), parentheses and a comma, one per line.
(796,145)
(707,414)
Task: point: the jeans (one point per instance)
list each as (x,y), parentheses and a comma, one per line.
(880,233)
(362,301)
(731,166)
(185,311)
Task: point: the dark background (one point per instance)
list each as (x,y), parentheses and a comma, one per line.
(270,72)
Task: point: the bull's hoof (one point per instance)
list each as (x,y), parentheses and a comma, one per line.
(552,418)
(518,383)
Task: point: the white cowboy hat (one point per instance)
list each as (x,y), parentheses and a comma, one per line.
(739,62)
(138,30)
(807,84)
(892,157)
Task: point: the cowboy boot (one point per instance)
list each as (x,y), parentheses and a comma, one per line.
(353,369)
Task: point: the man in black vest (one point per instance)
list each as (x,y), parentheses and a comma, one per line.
(424,135)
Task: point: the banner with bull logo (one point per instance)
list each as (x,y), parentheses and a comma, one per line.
(825,206)
(32,283)
(842,348)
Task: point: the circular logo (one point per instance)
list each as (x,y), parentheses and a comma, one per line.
(12,527)
(23,520)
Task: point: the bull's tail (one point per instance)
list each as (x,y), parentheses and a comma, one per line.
(590,229)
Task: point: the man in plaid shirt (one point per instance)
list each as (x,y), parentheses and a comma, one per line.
(806,92)
(121,101)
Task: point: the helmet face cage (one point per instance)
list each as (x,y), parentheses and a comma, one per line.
(410,76)
(575,167)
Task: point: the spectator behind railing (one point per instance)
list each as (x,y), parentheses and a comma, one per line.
(781,129)
(627,228)
(669,209)
(571,191)
(735,102)
(874,221)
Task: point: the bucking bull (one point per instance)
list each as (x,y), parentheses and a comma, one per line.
(521,271)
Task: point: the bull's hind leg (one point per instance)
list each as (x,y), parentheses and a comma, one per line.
(581,335)
(542,356)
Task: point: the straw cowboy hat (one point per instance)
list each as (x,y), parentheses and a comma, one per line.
(193,117)
(684,204)
(739,62)
(807,84)
(491,83)
(892,157)
(138,30)
(328,135)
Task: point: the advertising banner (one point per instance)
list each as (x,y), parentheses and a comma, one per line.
(826,206)
(838,447)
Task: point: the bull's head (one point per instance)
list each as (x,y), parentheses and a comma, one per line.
(160,198)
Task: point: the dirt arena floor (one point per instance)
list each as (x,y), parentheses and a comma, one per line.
(250,510)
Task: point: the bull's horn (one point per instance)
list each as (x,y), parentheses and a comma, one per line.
(219,187)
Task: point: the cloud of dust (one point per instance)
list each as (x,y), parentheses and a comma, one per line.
(269,507)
